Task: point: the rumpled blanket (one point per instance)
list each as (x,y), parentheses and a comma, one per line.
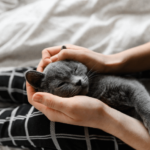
(29,26)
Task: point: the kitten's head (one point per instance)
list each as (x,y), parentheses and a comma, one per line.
(62,78)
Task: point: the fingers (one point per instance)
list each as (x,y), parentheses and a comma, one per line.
(48,52)
(54,107)
(51,55)
(51,101)
(43,64)
(52,114)
(46,55)
(71,55)
(40,107)
(40,67)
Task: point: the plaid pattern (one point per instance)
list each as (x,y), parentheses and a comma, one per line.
(25,127)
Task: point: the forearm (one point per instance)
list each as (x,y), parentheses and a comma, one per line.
(126,128)
(132,60)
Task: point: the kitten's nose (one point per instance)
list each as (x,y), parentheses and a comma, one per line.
(78,83)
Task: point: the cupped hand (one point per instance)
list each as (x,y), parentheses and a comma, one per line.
(93,60)
(77,110)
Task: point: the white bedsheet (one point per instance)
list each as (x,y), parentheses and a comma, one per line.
(110,26)
(106,26)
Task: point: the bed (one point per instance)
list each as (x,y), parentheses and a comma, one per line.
(29,26)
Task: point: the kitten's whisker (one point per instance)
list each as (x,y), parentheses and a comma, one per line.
(91,79)
(93,76)
(84,77)
(72,92)
(78,89)
(91,68)
(94,82)
(91,71)
(59,88)
(65,91)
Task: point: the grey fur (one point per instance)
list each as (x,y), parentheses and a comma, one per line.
(70,78)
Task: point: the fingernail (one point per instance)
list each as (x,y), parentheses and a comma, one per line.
(54,58)
(37,98)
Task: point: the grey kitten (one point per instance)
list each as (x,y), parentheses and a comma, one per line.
(70,78)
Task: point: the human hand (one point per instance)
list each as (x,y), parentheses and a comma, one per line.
(78,110)
(93,60)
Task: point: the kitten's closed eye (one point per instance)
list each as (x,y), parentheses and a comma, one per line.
(75,69)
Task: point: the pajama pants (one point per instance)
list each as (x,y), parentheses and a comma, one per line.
(24,126)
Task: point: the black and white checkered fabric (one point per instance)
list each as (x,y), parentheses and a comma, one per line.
(25,127)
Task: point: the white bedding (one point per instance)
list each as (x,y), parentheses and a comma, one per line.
(106,26)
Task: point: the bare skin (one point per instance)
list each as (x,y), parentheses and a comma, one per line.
(89,58)
(98,115)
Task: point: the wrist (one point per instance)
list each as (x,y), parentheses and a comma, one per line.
(113,63)
(109,120)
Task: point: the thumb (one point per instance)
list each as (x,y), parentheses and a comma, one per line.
(52,101)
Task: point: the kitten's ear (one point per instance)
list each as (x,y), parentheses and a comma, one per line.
(34,78)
